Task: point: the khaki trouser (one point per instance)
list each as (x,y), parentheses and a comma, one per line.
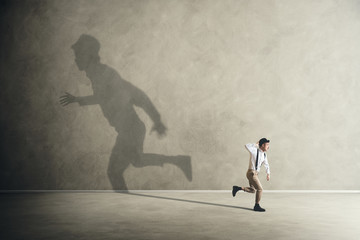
(254,183)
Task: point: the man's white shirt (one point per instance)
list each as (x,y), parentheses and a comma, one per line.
(262,159)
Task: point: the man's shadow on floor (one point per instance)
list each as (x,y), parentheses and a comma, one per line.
(117,98)
(189,201)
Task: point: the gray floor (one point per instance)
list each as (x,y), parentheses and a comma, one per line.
(177,215)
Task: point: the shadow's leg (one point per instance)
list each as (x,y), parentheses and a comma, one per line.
(117,165)
(134,152)
(181,161)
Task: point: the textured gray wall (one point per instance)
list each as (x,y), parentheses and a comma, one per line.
(219,73)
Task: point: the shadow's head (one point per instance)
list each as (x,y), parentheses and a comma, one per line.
(86,50)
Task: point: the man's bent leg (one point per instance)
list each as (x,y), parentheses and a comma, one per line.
(249,189)
(254,182)
(258,196)
(258,187)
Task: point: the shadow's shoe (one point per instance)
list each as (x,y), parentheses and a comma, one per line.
(235,190)
(257,208)
(184,163)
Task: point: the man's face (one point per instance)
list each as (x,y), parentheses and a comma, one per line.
(265,147)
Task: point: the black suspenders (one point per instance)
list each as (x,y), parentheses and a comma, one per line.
(257,159)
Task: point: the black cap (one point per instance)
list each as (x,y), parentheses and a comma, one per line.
(262,141)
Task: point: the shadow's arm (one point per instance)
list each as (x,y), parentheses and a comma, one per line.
(86,100)
(141,100)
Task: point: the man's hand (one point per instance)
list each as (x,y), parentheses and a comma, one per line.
(67,99)
(268,177)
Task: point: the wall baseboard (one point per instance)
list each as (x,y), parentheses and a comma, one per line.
(172,191)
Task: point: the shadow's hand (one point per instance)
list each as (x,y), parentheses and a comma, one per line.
(159,128)
(67,99)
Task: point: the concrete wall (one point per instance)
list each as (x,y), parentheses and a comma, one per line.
(219,73)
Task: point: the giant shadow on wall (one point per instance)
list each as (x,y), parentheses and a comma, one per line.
(117,98)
